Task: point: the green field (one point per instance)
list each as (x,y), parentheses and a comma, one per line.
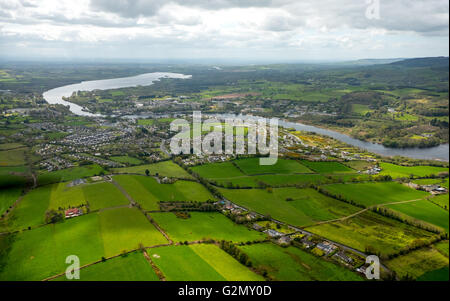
(199,262)
(418,263)
(13,157)
(11,176)
(103,195)
(203,226)
(368,194)
(306,207)
(397,171)
(8,197)
(424,210)
(217,170)
(441,200)
(164,169)
(327,167)
(251,166)
(69,174)
(126,160)
(372,231)
(41,253)
(124,229)
(147,191)
(30,211)
(130,267)
(293,264)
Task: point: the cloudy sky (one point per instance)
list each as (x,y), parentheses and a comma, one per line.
(275,30)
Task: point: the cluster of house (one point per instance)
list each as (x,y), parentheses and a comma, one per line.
(373,171)
(200,159)
(73,212)
(434,189)
(55,163)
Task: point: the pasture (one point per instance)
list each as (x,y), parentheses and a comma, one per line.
(251,166)
(204,226)
(147,191)
(372,231)
(441,200)
(126,159)
(327,167)
(299,207)
(293,264)
(369,194)
(397,171)
(217,170)
(130,267)
(163,168)
(125,229)
(11,176)
(8,197)
(69,174)
(418,263)
(41,252)
(199,262)
(424,210)
(103,195)
(13,157)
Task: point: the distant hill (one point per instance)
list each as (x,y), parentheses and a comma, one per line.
(440,62)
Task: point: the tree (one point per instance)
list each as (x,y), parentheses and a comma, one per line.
(147,172)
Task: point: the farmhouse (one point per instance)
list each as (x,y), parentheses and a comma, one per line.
(326,247)
(73,212)
(273,233)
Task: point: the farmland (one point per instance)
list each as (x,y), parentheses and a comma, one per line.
(8,197)
(69,174)
(397,171)
(204,226)
(129,267)
(299,207)
(164,169)
(373,232)
(148,192)
(369,194)
(327,167)
(424,210)
(199,262)
(251,166)
(292,264)
(420,262)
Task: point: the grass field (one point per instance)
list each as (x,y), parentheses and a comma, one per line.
(69,174)
(373,231)
(130,267)
(397,171)
(8,197)
(164,169)
(251,166)
(306,207)
(13,176)
(327,167)
(292,264)
(147,191)
(436,275)
(368,194)
(217,170)
(13,157)
(426,211)
(418,263)
(199,262)
(204,225)
(103,195)
(124,229)
(30,211)
(41,252)
(126,160)
(441,200)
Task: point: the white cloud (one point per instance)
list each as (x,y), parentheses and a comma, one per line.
(273,29)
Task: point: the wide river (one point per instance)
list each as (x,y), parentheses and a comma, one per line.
(55,96)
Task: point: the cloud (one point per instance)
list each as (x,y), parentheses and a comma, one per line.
(276,28)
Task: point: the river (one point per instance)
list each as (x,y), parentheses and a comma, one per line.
(55,96)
